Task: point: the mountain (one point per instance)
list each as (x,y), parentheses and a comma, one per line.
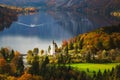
(87,5)
(7,16)
(84,3)
(24,2)
(95,6)
(63,3)
(101,5)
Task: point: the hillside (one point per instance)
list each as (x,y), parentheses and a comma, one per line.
(102,6)
(87,5)
(103,38)
(101,45)
(94,6)
(23,3)
(7,16)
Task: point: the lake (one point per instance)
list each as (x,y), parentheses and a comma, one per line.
(39,29)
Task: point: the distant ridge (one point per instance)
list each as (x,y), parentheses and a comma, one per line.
(86,5)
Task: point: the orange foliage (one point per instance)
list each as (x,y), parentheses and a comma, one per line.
(6,50)
(70,40)
(13,67)
(17,53)
(64,43)
(11,78)
(2,62)
(26,76)
(15,59)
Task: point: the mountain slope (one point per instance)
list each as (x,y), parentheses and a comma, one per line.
(23,2)
(87,5)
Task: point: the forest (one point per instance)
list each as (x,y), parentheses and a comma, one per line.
(99,46)
(12,68)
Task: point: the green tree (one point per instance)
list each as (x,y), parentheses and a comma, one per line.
(80,43)
(30,56)
(20,65)
(117,73)
(46,60)
(34,69)
(75,48)
(99,75)
(60,59)
(42,51)
(49,48)
(35,51)
(70,45)
(11,56)
(104,54)
(4,53)
(66,49)
(43,68)
(99,45)
(88,57)
(56,47)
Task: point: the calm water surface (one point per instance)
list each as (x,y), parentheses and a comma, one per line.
(40,29)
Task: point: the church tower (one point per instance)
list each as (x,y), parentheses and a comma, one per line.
(52,51)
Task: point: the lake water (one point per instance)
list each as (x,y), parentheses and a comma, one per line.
(41,28)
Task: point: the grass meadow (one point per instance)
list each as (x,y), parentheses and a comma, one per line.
(89,68)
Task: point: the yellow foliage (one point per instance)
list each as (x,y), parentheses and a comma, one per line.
(11,78)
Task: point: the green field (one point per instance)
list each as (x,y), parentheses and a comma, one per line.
(90,67)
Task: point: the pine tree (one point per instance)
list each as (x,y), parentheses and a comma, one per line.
(34,69)
(99,75)
(88,57)
(11,55)
(20,65)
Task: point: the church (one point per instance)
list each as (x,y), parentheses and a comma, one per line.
(52,50)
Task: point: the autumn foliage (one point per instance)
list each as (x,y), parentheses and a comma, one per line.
(93,44)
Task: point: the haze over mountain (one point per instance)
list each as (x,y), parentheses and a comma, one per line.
(23,2)
(75,4)
(80,3)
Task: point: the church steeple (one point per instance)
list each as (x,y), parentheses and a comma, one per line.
(53,42)
(52,51)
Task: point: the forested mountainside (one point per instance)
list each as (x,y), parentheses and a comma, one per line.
(99,45)
(7,16)
(86,5)
(23,3)
(94,5)
(103,38)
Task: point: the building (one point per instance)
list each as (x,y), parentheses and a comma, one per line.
(52,51)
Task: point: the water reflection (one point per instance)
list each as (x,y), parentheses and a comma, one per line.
(77,23)
(7,16)
(38,30)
